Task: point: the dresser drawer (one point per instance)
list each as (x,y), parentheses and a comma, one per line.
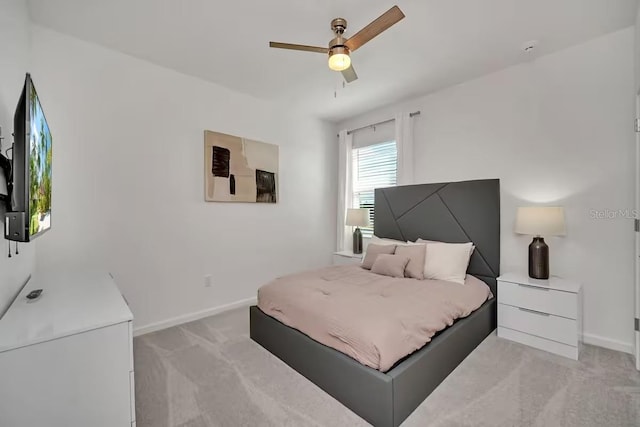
(546,300)
(542,325)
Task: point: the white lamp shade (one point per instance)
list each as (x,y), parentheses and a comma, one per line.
(540,221)
(358,217)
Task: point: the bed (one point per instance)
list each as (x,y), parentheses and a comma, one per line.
(453,212)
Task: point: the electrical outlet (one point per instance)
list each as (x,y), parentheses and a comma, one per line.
(208,281)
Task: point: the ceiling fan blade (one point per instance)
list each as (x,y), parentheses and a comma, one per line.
(349,74)
(299,47)
(380,24)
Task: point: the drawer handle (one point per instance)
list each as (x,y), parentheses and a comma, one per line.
(534,287)
(540,313)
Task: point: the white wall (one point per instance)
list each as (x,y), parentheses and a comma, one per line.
(637,46)
(557,131)
(128,182)
(637,190)
(14,58)
(637,49)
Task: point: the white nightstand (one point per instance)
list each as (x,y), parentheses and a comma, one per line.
(545,314)
(346,257)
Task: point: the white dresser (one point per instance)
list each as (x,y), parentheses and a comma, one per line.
(66,358)
(346,257)
(545,314)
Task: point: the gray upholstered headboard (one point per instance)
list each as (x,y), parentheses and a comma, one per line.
(455,212)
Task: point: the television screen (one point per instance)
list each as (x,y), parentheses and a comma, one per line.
(39,167)
(29,212)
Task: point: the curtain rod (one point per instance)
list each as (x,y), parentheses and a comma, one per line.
(349,132)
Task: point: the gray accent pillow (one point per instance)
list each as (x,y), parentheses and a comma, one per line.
(373,251)
(390,265)
(416,253)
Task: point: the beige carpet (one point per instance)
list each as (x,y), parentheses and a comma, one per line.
(209,373)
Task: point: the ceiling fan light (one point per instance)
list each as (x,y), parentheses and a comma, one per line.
(339,59)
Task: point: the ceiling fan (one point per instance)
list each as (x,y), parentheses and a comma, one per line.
(340,48)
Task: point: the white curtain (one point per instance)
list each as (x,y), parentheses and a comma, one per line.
(404,143)
(345,187)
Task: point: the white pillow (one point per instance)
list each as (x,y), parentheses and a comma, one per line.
(421,240)
(447,261)
(380,241)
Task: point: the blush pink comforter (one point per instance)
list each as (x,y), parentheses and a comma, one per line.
(375,319)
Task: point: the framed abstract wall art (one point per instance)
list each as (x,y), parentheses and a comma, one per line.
(239,169)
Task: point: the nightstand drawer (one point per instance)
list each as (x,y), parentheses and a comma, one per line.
(540,324)
(540,343)
(542,299)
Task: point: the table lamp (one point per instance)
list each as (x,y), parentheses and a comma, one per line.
(357,218)
(540,221)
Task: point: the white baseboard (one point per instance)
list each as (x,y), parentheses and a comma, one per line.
(616,345)
(190,317)
(591,339)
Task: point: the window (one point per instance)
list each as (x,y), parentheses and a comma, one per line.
(374,166)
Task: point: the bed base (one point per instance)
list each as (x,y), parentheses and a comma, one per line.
(382,399)
(456,212)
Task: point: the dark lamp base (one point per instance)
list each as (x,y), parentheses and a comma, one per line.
(357,241)
(538,259)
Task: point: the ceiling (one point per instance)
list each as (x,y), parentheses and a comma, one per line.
(439,43)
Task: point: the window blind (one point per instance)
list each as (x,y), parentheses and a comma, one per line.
(374,166)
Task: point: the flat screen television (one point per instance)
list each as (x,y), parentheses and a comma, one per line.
(30,201)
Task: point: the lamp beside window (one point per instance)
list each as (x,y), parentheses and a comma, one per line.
(357,218)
